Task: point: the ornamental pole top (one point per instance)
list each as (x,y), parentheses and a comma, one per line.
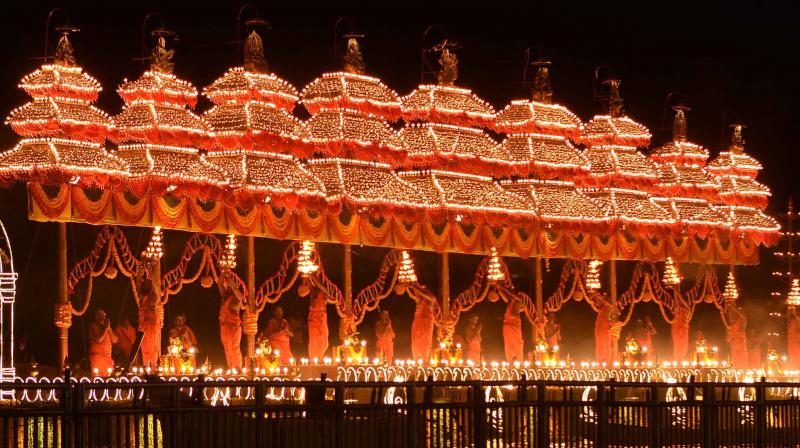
(254,60)
(737,139)
(679,125)
(161,58)
(616,106)
(448,65)
(353,59)
(542,90)
(64,54)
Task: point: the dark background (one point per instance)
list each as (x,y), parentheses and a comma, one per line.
(737,60)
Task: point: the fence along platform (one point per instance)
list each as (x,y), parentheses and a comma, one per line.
(401,414)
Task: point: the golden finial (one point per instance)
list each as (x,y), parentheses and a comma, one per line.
(616,106)
(64,53)
(737,139)
(542,90)
(353,60)
(679,126)
(161,59)
(254,60)
(448,73)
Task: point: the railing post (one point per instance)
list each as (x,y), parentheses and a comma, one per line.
(708,416)
(67,406)
(412,432)
(542,428)
(78,414)
(259,413)
(655,416)
(339,420)
(761,413)
(602,414)
(479,418)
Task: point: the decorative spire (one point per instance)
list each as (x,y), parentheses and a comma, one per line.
(254,60)
(64,53)
(616,106)
(448,73)
(229,257)
(161,59)
(737,140)
(679,126)
(542,90)
(155,248)
(353,60)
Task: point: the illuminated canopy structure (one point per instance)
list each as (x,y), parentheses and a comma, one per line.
(553,187)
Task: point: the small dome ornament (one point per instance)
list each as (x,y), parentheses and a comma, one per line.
(679,127)
(616,106)
(737,139)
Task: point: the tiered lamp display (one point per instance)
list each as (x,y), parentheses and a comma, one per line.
(63,133)
(160,138)
(741,197)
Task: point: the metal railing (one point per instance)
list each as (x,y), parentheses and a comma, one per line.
(401,414)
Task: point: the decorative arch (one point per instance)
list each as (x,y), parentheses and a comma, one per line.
(111,254)
(571,285)
(287,275)
(483,287)
(370,297)
(210,249)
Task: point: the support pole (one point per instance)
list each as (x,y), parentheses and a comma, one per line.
(444,286)
(63,299)
(612,281)
(251,294)
(346,325)
(540,317)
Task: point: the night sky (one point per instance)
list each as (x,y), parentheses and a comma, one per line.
(736,61)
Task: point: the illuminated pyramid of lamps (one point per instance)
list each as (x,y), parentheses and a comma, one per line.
(793,298)
(731,291)
(671,275)
(406,273)
(155,248)
(785,251)
(229,257)
(305,258)
(593,275)
(63,133)
(494,272)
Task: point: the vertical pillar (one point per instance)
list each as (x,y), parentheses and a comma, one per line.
(251,297)
(346,324)
(540,317)
(612,281)
(63,299)
(444,286)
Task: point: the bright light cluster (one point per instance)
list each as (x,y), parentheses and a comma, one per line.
(671,275)
(793,298)
(494,272)
(229,256)
(593,275)
(155,248)
(731,291)
(406,272)
(305,258)
(446,104)
(351,90)
(532,117)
